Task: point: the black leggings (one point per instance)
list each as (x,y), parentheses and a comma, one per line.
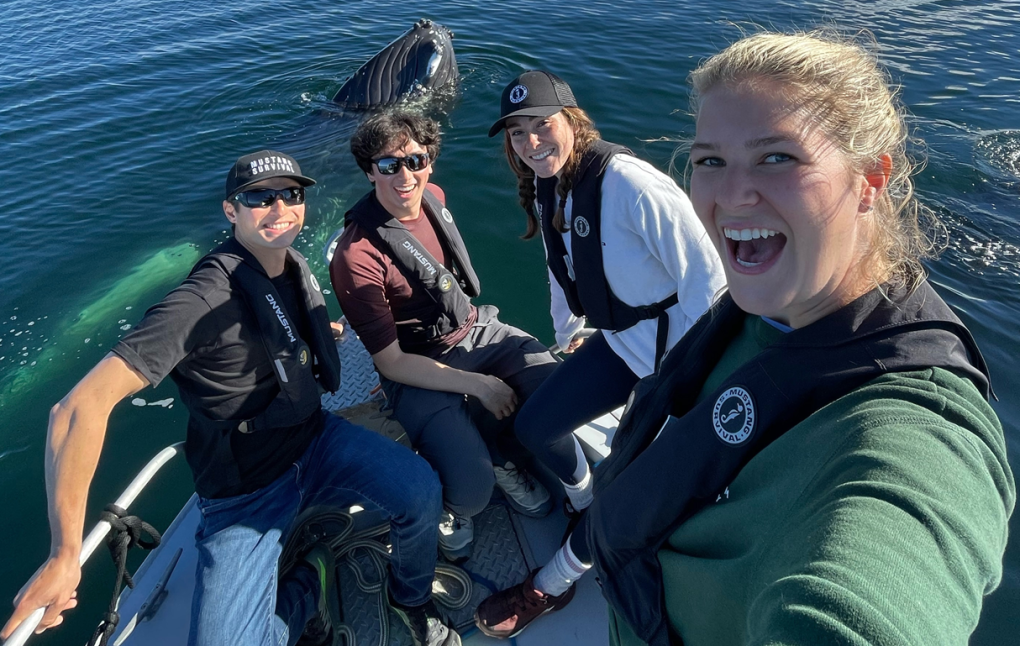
(590,382)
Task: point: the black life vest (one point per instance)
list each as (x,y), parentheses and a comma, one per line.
(450,288)
(702,447)
(583,279)
(298,367)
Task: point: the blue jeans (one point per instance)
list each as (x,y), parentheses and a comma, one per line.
(238,599)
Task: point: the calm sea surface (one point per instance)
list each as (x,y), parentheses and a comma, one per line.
(119,119)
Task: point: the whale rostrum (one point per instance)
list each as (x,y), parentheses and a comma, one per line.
(419,61)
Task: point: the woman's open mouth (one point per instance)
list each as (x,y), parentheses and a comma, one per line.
(754,250)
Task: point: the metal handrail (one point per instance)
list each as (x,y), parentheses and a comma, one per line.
(99,532)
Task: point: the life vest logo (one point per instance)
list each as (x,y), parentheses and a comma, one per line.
(447,216)
(420,258)
(581,227)
(315,283)
(445,283)
(518,94)
(733,416)
(303,357)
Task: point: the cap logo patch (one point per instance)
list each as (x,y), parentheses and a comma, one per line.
(581,227)
(733,416)
(273,163)
(518,94)
(448,216)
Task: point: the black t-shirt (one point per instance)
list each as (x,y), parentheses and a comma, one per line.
(223,372)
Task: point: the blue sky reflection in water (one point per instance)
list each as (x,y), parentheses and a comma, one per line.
(119,120)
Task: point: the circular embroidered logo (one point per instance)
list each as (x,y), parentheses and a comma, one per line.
(581,227)
(314,282)
(303,356)
(518,94)
(445,283)
(733,416)
(448,216)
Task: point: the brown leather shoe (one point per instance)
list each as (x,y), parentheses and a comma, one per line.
(522,601)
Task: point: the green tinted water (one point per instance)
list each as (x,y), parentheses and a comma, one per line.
(118,121)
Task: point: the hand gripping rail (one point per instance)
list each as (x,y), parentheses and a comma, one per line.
(99,532)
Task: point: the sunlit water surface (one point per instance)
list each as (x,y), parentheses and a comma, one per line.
(119,119)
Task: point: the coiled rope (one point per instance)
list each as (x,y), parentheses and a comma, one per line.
(366,555)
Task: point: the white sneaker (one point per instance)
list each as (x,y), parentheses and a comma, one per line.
(525,494)
(456,535)
(426,625)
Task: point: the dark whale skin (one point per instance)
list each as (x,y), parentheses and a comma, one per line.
(419,61)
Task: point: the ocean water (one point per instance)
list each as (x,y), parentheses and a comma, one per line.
(118,121)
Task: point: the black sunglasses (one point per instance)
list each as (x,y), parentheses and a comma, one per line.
(259,198)
(390,165)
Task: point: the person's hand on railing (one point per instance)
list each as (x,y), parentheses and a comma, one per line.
(53,587)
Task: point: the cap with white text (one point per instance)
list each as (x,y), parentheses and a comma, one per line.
(264,164)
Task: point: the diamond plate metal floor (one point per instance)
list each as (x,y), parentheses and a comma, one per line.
(500,558)
(358,375)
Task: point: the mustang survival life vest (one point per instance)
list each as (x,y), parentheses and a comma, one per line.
(298,367)
(683,454)
(581,273)
(450,288)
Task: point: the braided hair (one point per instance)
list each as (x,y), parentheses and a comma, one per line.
(585,135)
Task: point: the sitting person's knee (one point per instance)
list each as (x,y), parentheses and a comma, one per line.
(467,491)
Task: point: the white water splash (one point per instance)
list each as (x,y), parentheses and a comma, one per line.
(165,403)
(4,454)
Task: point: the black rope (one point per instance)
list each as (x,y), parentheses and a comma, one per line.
(125,533)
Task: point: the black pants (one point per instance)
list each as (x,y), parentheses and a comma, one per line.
(459,438)
(590,382)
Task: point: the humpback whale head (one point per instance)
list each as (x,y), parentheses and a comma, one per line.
(416,63)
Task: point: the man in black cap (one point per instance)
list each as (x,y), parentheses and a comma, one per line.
(247,340)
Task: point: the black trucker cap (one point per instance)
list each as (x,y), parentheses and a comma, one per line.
(533,94)
(263,165)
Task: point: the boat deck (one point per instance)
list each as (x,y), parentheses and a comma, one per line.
(581,622)
(157,611)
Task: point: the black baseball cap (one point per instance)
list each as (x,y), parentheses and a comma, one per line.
(533,94)
(263,165)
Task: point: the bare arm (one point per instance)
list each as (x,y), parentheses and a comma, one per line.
(416,370)
(77,428)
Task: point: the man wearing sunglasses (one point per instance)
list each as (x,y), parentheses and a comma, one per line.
(247,340)
(453,373)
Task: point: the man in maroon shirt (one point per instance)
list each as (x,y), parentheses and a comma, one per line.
(404,280)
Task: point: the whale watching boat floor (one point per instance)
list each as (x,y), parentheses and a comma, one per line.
(507,547)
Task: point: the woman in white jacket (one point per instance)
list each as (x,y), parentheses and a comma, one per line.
(627,253)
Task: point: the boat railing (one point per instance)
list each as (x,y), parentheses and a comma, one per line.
(100,531)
